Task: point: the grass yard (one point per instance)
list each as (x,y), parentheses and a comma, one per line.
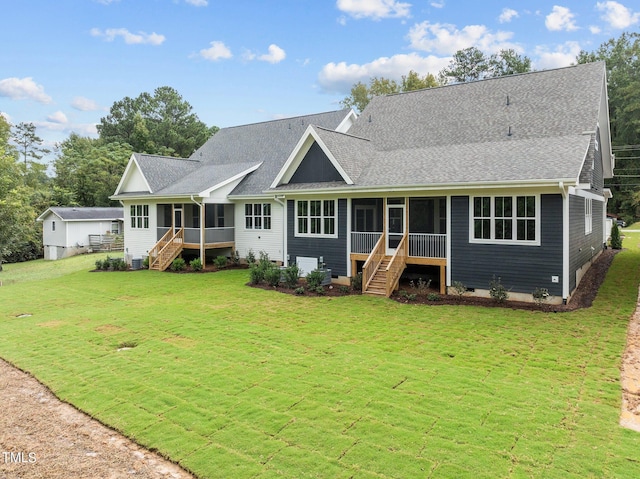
(231,381)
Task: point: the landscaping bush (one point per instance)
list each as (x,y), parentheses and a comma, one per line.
(196,264)
(540,295)
(272,275)
(178,264)
(251,257)
(356,282)
(291,274)
(235,258)
(315,279)
(497,290)
(220,262)
(145,262)
(459,288)
(616,240)
(99,263)
(256,274)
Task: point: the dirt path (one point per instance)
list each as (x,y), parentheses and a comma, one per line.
(42,437)
(630,375)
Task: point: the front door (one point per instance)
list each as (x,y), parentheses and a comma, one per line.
(395,225)
(177,219)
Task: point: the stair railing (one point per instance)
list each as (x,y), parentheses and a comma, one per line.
(396,266)
(155,251)
(373,261)
(169,251)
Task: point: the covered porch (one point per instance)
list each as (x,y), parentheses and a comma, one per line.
(201,227)
(389,233)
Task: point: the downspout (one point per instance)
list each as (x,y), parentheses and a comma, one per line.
(565,242)
(285,260)
(202,231)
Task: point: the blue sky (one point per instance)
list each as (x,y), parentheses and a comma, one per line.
(65,62)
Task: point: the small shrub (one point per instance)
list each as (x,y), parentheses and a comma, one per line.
(196,264)
(291,275)
(356,282)
(121,265)
(497,290)
(616,240)
(251,257)
(319,290)
(433,297)
(235,258)
(299,290)
(540,295)
(256,274)
(272,275)
(145,262)
(459,288)
(99,264)
(408,296)
(344,289)
(422,284)
(220,262)
(178,264)
(315,279)
(106,264)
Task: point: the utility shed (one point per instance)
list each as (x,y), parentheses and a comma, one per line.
(67,231)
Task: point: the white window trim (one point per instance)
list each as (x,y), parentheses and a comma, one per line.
(145,224)
(262,216)
(588,216)
(322,218)
(492,218)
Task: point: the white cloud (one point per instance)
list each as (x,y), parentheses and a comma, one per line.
(58,117)
(340,77)
(217,51)
(564,55)
(437,4)
(275,55)
(446,39)
(84,104)
(23,89)
(198,3)
(374,9)
(560,18)
(129,38)
(107,2)
(617,15)
(507,15)
(594,29)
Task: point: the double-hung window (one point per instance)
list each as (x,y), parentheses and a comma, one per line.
(588,216)
(139,216)
(316,218)
(257,216)
(497,219)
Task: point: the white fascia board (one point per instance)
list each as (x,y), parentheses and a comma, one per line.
(298,153)
(242,174)
(133,163)
(347,122)
(46,213)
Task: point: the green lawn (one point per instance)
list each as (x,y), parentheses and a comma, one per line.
(232,381)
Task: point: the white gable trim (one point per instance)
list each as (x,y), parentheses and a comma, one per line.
(133,163)
(346,123)
(46,213)
(239,176)
(297,155)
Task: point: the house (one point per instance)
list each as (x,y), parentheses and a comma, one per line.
(501,178)
(216,201)
(67,231)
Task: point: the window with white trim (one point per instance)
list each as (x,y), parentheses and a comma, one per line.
(139,216)
(316,218)
(257,216)
(504,219)
(588,216)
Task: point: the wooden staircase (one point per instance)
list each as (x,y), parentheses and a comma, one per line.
(381,273)
(166,250)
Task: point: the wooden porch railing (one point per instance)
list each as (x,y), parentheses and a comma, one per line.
(396,266)
(373,261)
(166,249)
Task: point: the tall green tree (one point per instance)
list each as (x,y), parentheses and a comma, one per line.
(29,144)
(622,58)
(88,170)
(162,123)
(361,94)
(472,64)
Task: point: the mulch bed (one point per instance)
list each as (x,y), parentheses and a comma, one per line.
(582,298)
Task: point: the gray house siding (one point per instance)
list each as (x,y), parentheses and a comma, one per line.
(315,167)
(582,247)
(333,250)
(521,269)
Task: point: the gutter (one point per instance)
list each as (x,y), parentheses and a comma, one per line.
(565,242)
(279,199)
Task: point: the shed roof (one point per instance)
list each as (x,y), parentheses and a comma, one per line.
(77,213)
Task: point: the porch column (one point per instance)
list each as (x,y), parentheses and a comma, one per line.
(202,235)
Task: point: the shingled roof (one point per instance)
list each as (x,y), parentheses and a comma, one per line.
(73,213)
(517,128)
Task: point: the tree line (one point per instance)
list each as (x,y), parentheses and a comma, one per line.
(87,170)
